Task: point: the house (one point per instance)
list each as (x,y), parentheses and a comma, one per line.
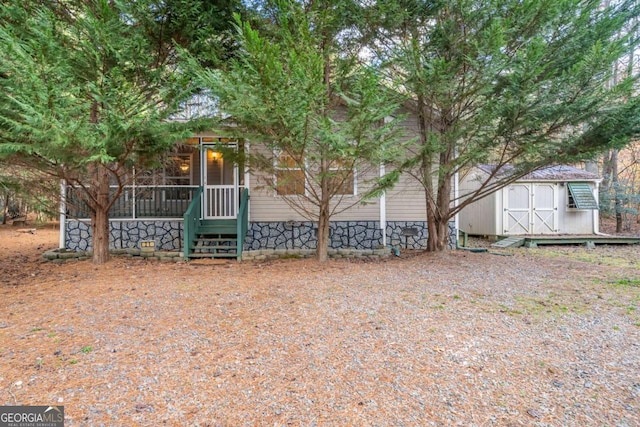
(202,203)
(553,200)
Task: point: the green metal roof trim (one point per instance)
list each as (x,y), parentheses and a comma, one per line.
(582,195)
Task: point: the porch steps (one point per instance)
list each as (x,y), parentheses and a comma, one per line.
(206,246)
(215,237)
(215,230)
(509,242)
(223,226)
(209,255)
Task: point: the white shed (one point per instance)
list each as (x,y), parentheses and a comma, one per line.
(555,200)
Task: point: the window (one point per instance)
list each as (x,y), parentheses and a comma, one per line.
(177,169)
(177,172)
(580,196)
(289,176)
(344,180)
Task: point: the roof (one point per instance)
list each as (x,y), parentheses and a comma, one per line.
(549,173)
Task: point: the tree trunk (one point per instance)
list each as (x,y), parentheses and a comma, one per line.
(323,218)
(438,224)
(438,236)
(323,237)
(439,200)
(615,185)
(5,211)
(425,124)
(606,172)
(100,216)
(100,234)
(611,186)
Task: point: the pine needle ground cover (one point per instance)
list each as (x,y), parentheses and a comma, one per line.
(429,339)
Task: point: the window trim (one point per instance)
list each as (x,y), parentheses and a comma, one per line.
(277,155)
(354,174)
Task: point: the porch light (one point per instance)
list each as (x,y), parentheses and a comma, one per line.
(215,155)
(184,167)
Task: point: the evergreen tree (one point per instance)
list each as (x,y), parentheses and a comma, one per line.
(518,84)
(316,115)
(84,96)
(203,27)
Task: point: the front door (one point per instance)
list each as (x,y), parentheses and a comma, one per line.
(220,178)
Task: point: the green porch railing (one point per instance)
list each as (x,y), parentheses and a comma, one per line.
(242,223)
(191,221)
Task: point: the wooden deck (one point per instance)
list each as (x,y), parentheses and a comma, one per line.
(588,240)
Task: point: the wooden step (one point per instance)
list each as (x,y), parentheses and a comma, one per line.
(215,243)
(509,242)
(214,248)
(216,230)
(212,255)
(215,239)
(224,222)
(218,226)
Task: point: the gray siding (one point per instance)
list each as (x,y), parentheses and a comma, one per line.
(267,206)
(406,201)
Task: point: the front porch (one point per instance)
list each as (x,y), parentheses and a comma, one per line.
(205,221)
(195,202)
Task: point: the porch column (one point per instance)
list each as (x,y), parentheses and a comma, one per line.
(63,214)
(596,213)
(247,178)
(383,210)
(456,202)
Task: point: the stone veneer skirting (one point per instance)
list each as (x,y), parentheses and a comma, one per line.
(127,235)
(343,234)
(167,235)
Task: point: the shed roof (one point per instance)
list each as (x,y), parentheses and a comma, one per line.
(549,173)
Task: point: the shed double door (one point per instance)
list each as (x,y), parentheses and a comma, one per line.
(530,208)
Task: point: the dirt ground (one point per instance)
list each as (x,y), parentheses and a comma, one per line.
(518,337)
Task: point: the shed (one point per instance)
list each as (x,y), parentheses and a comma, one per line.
(558,199)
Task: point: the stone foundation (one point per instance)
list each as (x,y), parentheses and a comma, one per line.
(342,234)
(167,235)
(303,235)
